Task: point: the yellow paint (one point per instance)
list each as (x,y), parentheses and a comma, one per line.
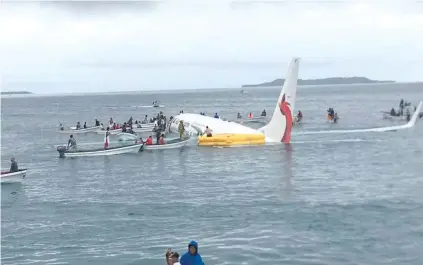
(231,140)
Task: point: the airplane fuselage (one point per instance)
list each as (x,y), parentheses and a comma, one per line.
(196,124)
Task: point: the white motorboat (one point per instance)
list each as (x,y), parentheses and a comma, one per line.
(157,105)
(112,132)
(259,119)
(11,177)
(127,137)
(125,149)
(144,125)
(171,144)
(73,130)
(138,128)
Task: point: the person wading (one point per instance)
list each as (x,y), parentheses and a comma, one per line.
(181,129)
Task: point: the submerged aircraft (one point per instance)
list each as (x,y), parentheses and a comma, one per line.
(279,129)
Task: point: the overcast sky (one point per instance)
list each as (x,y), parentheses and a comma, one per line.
(180,44)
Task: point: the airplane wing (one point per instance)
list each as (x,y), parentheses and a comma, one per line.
(408,125)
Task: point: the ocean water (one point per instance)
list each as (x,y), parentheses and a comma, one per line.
(324,199)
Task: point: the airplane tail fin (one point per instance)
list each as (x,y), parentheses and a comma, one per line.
(280,126)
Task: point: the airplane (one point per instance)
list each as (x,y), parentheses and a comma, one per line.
(279,128)
(275,131)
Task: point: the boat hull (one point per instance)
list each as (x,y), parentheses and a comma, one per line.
(148,127)
(260,119)
(127,149)
(14,176)
(80,131)
(173,144)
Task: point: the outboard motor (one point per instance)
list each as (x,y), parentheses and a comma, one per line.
(61,149)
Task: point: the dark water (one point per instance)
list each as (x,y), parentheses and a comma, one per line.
(325,199)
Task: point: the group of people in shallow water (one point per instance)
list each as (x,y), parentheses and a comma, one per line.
(332,115)
(191,257)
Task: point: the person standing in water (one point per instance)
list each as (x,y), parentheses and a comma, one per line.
(106,138)
(181,129)
(13,165)
(192,257)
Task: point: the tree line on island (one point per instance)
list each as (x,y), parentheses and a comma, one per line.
(16,93)
(324,81)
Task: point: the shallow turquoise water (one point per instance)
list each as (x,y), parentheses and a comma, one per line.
(338,199)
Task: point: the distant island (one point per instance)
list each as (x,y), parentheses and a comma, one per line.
(16,93)
(324,81)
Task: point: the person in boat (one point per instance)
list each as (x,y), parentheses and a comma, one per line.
(149,140)
(162,140)
(181,129)
(238,116)
(111,121)
(263,113)
(85,125)
(124,127)
(71,143)
(408,115)
(250,115)
(145,119)
(158,135)
(192,257)
(13,165)
(97,122)
(172,258)
(208,132)
(335,117)
(61,127)
(216,116)
(78,125)
(393,113)
(101,126)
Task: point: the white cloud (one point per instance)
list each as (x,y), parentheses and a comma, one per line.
(48,43)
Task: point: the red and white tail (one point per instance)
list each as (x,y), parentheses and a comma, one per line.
(280,126)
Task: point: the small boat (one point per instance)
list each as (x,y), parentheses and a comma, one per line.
(73,130)
(171,144)
(112,132)
(125,149)
(118,131)
(11,177)
(156,104)
(258,119)
(126,137)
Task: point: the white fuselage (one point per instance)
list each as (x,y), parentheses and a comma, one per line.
(195,123)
